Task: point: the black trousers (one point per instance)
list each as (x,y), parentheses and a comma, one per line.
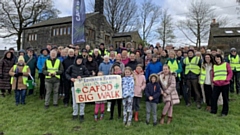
(119,103)
(216,92)
(193,84)
(42,89)
(67,91)
(30,91)
(235,80)
(208,94)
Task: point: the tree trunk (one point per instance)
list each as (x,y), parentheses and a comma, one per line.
(19,40)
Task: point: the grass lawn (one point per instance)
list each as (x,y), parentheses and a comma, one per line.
(33,119)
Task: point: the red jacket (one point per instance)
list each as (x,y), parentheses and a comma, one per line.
(223,82)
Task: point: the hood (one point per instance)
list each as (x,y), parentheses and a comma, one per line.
(152,76)
(44,49)
(5,55)
(78,57)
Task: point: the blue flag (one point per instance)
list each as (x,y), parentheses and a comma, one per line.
(78,19)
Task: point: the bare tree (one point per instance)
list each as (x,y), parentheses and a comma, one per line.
(197,23)
(149,16)
(121,14)
(166,29)
(15,15)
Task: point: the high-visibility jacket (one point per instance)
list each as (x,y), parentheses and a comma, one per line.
(192,66)
(234,62)
(173,66)
(202,76)
(52,69)
(24,78)
(220,72)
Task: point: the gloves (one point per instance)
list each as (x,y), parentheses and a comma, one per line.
(1,76)
(16,75)
(20,74)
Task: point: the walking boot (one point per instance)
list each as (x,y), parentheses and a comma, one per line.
(169,120)
(81,118)
(162,119)
(136,116)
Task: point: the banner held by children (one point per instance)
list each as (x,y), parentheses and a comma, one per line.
(98,88)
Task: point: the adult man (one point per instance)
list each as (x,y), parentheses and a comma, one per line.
(49,47)
(132,63)
(67,87)
(74,72)
(234,61)
(89,51)
(119,50)
(191,66)
(102,50)
(52,70)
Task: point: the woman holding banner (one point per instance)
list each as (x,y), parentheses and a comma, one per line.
(77,71)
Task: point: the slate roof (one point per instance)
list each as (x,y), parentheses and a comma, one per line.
(57,21)
(226,32)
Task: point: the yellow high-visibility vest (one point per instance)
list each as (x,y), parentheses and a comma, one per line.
(192,66)
(220,72)
(234,62)
(173,66)
(202,76)
(24,78)
(52,69)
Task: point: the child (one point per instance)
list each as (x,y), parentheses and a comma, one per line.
(152,93)
(140,84)
(19,76)
(127,94)
(169,92)
(116,71)
(99,104)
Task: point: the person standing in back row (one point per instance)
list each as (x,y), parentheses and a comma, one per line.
(52,70)
(234,61)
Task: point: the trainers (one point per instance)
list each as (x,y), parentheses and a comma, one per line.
(155,124)
(46,106)
(128,124)
(147,122)
(108,109)
(96,119)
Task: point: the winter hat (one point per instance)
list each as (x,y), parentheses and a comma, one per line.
(44,50)
(21,51)
(233,49)
(21,59)
(79,57)
(84,50)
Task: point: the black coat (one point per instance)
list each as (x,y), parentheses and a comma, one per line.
(92,66)
(68,62)
(98,59)
(149,91)
(76,70)
(132,64)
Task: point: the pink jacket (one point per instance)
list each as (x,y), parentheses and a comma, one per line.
(225,82)
(140,84)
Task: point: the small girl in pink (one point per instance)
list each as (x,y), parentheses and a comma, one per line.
(99,105)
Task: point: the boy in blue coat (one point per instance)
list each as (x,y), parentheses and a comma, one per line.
(152,93)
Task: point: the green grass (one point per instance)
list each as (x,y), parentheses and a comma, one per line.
(33,119)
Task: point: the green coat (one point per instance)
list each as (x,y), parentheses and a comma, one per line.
(32,63)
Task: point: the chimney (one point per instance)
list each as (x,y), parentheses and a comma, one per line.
(99,5)
(214,24)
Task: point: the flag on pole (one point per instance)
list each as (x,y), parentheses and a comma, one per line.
(78,20)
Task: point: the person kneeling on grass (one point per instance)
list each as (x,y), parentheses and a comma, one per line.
(74,72)
(152,93)
(99,104)
(169,92)
(19,76)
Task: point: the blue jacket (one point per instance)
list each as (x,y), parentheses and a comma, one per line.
(61,58)
(149,91)
(127,87)
(153,68)
(41,61)
(105,68)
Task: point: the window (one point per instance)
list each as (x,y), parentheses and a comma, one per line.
(228,31)
(64,31)
(61,31)
(32,37)
(54,32)
(91,34)
(57,31)
(238,31)
(107,39)
(69,31)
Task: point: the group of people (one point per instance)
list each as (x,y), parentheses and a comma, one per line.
(158,74)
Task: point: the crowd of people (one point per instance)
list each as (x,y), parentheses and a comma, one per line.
(198,75)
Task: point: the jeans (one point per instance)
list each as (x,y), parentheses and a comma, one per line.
(77,106)
(20,95)
(150,106)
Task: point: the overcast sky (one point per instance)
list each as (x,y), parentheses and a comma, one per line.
(177,8)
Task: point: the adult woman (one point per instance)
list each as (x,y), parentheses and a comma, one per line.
(91,65)
(170,95)
(125,58)
(222,74)
(153,67)
(164,56)
(139,57)
(6,64)
(205,79)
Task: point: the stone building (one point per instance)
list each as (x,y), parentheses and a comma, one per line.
(132,37)
(224,38)
(58,31)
